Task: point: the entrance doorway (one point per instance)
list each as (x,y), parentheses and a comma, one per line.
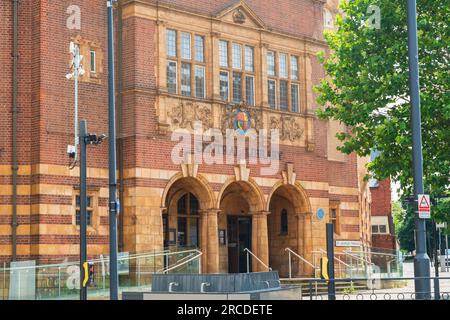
(239,238)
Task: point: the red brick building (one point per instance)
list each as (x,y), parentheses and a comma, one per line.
(177,62)
(383,231)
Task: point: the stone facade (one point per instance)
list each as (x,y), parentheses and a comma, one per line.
(158,196)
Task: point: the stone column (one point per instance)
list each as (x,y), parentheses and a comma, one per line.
(260,241)
(307,242)
(210,241)
(300,244)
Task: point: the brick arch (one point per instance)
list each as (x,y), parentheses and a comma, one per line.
(198,186)
(251,191)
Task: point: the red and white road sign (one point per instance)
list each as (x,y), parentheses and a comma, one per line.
(424,206)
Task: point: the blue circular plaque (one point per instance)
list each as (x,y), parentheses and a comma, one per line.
(320,214)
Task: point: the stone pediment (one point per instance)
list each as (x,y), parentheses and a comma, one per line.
(241,14)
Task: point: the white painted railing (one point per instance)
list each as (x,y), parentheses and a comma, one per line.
(257,259)
(291,252)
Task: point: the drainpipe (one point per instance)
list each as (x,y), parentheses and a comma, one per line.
(120,123)
(15,167)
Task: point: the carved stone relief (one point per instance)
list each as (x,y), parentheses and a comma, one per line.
(185,114)
(289,126)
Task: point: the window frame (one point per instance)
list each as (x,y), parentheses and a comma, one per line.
(176,43)
(335,220)
(285,74)
(221,72)
(288,77)
(179,60)
(253,90)
(189,83)
(176,76)
(275,94)
(227,54)
(241,93)
(252,49)
(196,67)
(187,216)
(89,210)
(196,51)
(183,47)
(93,62)
(298,97)
(286,107)
(284,228)
(231,69)
(239,59)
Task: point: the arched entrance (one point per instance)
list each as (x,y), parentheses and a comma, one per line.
(289,226)
(189,222)
(241,207)
(184,216)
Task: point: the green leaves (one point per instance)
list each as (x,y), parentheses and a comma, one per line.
(367,88)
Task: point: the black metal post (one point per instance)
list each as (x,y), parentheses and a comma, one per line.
(436,265)
(421,260)
(83,203)
(114,278)
(330,256)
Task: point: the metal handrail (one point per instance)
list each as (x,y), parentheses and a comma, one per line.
(130,257)
(257,259)
(337,259)
(179,261)
(358,258)
(184,262)
(290,251)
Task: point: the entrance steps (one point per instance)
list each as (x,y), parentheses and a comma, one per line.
(321,288)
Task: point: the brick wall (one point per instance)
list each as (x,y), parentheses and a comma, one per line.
(381,199)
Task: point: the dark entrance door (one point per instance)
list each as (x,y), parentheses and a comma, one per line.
(239,238)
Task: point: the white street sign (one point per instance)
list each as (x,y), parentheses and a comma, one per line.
(348,243)
(424,206)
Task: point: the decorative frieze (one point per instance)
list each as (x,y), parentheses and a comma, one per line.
(290,127)
(185,113)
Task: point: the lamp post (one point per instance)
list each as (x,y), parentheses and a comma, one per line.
(83,202)
(114,279)
(421,260)
(85,139)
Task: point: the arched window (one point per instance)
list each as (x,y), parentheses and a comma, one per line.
(284,222)
(188,218)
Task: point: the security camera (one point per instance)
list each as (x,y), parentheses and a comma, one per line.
(101,138)
(69,76)
(71,150)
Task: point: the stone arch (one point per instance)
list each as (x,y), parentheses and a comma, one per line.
(296,234)
(198,186)
(296,192)
(242,204)
(251,191)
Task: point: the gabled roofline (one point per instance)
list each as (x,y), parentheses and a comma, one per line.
(246,8)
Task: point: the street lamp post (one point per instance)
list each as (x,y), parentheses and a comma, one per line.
(114,279)
(83,212)
(421,260)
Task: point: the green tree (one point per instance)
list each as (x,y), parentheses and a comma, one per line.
(405,231)
(367,89)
